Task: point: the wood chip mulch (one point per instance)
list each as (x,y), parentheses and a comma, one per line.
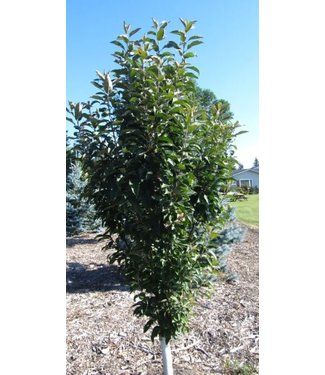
(103,336)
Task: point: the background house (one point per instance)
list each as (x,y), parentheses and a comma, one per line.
(247,177)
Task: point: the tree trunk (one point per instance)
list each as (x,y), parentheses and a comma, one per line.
(167,357)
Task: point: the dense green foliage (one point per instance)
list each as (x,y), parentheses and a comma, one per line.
(156,163)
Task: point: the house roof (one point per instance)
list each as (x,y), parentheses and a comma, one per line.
(254,169)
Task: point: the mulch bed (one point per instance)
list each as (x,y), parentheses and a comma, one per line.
(104,337)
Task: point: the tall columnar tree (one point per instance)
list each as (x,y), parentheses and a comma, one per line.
(156,163)
(256,163)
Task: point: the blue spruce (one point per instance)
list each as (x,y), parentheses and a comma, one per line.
(222,245)
(80,214)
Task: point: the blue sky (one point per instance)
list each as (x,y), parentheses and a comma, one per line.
(228,59)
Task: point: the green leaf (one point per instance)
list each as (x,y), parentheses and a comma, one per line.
(124,38)
(155,23)
(214,235)
(191,75)
(181,166)
(181,102)
(194,37)
(69,119)
(160,33)
(166,54)
(194,68)
(195,43)
(165,139)
(117,43)
(120,72)
(108,86)
(180,33)
(78,109)
(142,53)
(183,22)
(126,27)
(100,75)
(206,198)
(148,325)
(171,44)
(187,55)
(139,303)
(97,97)
(189,25)
(138,311)
(135,31)
(241,132)
(178,110)
(171,162)
(164,24)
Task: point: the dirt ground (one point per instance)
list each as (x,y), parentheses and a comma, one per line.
(103,336)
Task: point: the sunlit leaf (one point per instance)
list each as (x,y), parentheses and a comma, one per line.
(155,23)
(187,55)
(160,33)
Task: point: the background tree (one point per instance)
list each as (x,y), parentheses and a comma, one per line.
(76,208)
(80,214)
(209,102)
(80,211)
(156,164)
(70,156)
(205,97)
(228,237)
(256,163)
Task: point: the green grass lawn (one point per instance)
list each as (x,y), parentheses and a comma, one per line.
(247,210)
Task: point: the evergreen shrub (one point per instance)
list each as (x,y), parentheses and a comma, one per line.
(80,214)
